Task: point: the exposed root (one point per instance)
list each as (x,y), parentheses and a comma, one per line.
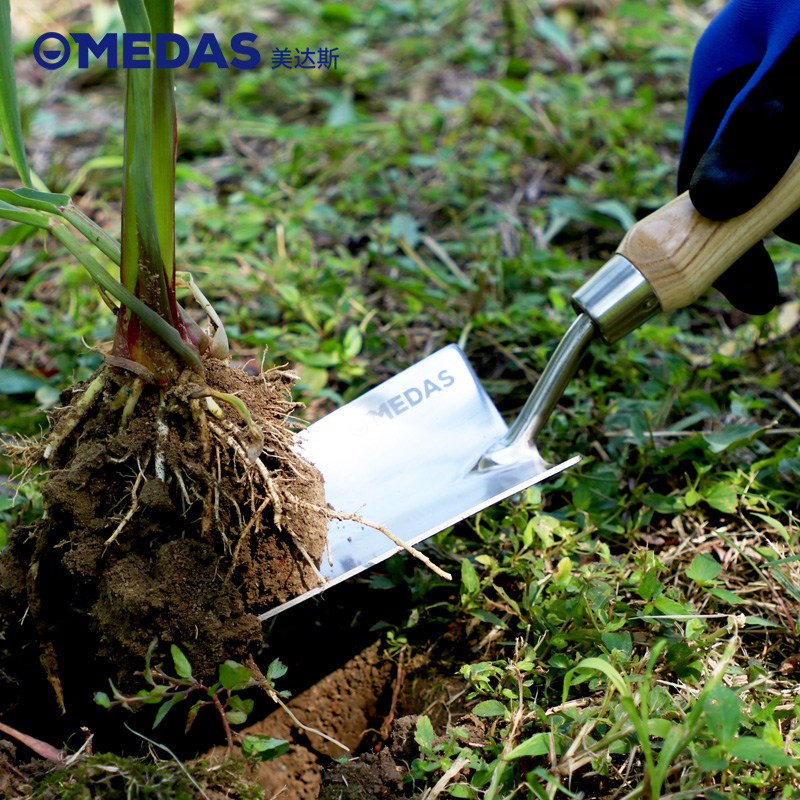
(179,478)
(135,393)
(26,454)
(320,577)
(245,534)
(134,505)
(241,450)
(162,432)
(75,414)
(331,513)
(256,444)
(39,747)
(160,517)
(201,425)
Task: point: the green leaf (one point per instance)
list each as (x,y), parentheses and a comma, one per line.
(777,524)
(489,708)
(660,728)
(263,748)
(761,622)
(424,733)
(102,699)
(537,745)
(277,669)
(750,748)
(596,665)
(462,790)
(732,435)
(469,577)
(36,218)
(236,717)
(616,210)
(664,505)
(30,198)
(712,760)
(343,13)
(723,497)
(553,33)
(232,674)
(352,342)
(182,666)
(671,608)
(723,712)
(725,594)
(487,616)
(10,124)
(621,641)
(404,226)
(703,568)
(162,712)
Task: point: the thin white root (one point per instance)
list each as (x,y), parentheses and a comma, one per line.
(333,514)
(245,534)
(134,505)
(186,499)
(231,441)
(256,444)
(320,577)
(162,432)
(202,428)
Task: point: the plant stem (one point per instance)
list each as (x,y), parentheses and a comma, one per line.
(169,335)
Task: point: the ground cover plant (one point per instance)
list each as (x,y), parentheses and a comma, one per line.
(628,630)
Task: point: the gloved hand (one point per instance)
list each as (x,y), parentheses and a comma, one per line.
(743,129)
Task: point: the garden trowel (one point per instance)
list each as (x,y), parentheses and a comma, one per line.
(428,448)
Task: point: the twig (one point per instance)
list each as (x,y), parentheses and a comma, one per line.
(275,697)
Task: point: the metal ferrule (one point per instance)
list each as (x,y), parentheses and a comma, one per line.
(613,302)
(617,299)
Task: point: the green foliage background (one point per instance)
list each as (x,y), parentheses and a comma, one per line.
(462,171)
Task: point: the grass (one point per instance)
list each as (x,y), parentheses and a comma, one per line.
(627,630)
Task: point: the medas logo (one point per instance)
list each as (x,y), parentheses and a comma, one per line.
(171,50)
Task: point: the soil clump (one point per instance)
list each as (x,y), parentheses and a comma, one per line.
(175,526)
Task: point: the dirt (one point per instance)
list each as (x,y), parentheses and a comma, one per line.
(346,705)
(162,530)
(384,775)
(17,777)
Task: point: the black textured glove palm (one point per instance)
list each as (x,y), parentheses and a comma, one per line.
(743,129)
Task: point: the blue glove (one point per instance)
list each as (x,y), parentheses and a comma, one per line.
(743,129)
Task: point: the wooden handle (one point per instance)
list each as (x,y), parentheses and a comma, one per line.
(681,253)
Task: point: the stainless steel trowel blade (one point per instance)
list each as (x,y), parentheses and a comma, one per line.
(403,455)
